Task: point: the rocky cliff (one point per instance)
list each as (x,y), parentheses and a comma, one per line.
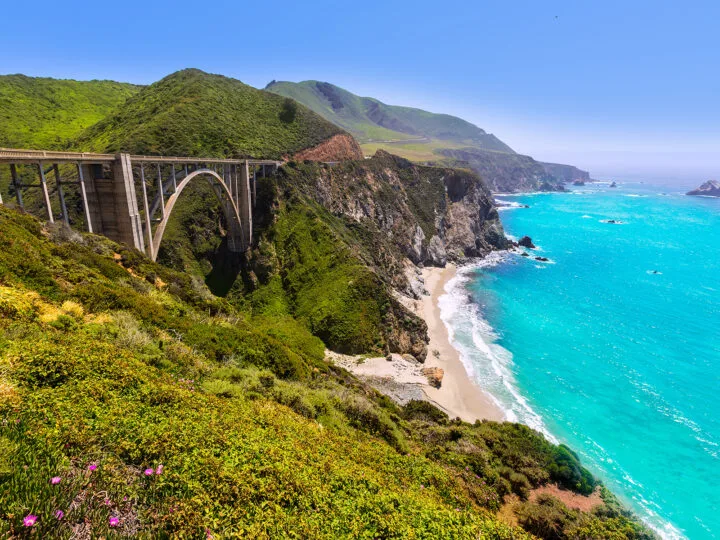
(505,173)
(711,188)
(430,215)
(565,173)
(334,242)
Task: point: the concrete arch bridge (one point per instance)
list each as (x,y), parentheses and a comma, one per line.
(130,199)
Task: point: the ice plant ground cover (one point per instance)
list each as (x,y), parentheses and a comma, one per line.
(111,365)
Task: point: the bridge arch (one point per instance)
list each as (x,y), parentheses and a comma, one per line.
(236,225)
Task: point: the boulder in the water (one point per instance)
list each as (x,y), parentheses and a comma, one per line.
(526,241)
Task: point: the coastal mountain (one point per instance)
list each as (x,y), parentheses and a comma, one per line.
(427,137)
(46,113)
(191,113)
(711,188)
(369,119)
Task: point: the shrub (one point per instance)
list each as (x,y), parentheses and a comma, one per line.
(547,518)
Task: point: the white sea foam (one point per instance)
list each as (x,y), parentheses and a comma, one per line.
(488,363)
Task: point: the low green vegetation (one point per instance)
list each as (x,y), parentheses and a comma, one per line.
(47,113)
(192,113)
(160,409)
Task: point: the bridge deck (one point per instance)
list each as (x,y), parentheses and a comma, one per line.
(11,155)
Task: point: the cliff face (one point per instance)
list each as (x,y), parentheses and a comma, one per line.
(339,147)
(504,173)
(566,173)
(335,241)
(430,215)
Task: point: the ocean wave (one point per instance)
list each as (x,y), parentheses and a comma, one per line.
(485,361)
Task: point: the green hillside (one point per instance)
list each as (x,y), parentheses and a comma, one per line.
(371,120)
(192,113)
(112,366)
(46,113)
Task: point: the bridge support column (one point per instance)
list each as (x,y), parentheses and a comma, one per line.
(127,215)
(46,195)
(245,205)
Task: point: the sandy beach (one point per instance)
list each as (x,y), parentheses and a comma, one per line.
(458,395)
(403,379)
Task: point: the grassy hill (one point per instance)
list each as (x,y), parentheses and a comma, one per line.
(47,113)
(371,120)
(192,113)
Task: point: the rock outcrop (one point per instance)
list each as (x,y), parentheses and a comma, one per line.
(339,147)
(434,376)
(431,215)
(711,188)
(527,242)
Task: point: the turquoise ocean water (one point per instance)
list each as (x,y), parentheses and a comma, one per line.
(598,351)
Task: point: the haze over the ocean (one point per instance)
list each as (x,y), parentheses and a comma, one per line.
(614,87)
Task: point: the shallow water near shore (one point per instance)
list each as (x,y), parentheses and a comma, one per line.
(613,345)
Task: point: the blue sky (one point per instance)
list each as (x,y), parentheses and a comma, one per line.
(616,87)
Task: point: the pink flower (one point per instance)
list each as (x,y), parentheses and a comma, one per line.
(107,502)
(92,467)
(59,514)
(55,480)
(208,534)
(149,472)
(30,520)
(114,521)
(159,469)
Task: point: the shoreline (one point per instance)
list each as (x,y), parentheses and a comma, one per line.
(403,378)
(458,395)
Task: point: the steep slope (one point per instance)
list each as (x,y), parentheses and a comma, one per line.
(46,113)
(198,114)
(333,241)
(164,411)
(369,119)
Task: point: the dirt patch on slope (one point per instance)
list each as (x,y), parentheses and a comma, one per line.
(339,147)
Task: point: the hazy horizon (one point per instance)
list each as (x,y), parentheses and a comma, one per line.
(614,89)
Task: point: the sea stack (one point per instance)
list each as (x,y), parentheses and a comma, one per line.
(527,242)
(711,188)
